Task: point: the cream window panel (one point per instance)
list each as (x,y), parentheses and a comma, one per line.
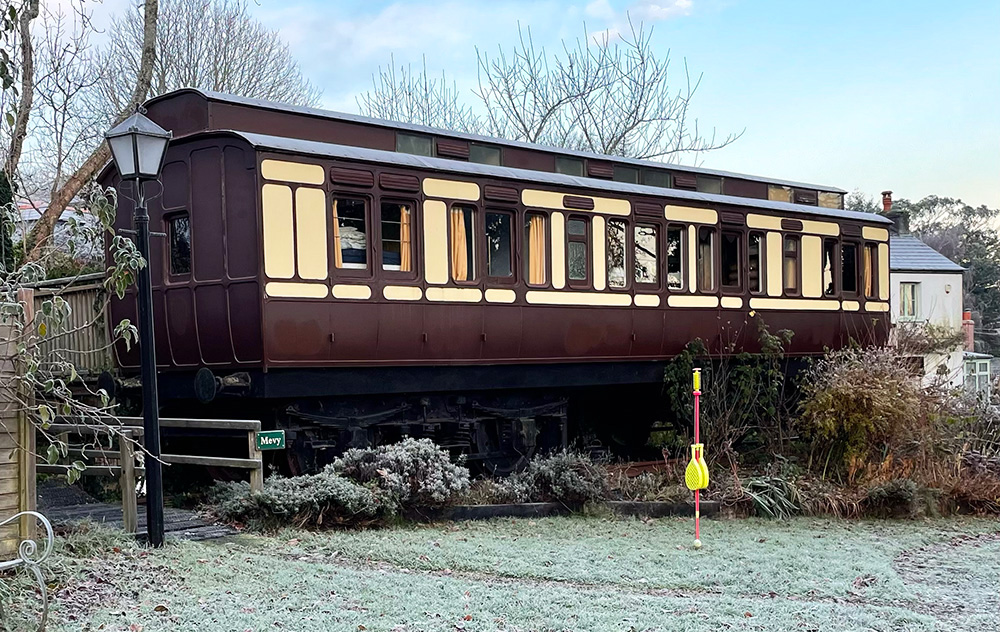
(279,238)
(558,221)
(812,266)
(692,253)
(435,242)
(600,240)
(883,271)
(691,214)
(310,233)
(775,256)
(297,172)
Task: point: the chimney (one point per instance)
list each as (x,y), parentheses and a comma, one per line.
(969,329)
(900,219)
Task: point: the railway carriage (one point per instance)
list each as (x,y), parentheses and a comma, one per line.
(354,280)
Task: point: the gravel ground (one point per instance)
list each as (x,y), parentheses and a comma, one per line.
(549,574)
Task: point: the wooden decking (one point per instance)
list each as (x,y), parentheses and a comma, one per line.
(64,505)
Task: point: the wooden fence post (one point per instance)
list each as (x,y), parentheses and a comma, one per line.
(257,474)
(126,451)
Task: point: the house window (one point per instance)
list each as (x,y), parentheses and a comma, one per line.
(463,243)
(977,378)
(790,271)
(350,233)
(908,296)
(534,248)
(755,262)
(576,249)
(180,244)
(498,244)
(868,268)
(829,267)
(645,254)
(569,166)
(655,178)
(706,259)
(730,260)
(675,257)
(616,253)
(849,268)
(626,174)
(709,184)
(484,154)
(397,236)
(413,144)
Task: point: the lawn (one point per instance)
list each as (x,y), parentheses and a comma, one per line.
(579,573)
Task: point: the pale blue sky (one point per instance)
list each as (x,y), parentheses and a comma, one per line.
(872,94)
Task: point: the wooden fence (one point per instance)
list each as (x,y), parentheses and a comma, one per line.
(119,460)
(17,447)
(83,339)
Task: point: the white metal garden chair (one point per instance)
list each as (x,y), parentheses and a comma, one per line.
(30,558)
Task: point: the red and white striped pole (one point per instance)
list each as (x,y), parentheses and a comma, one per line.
(697,456)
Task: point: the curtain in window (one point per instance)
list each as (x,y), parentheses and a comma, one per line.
(536,250)
(406,250)
(338,254)
(459,249)
(869,272)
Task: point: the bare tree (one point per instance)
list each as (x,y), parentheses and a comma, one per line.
(63,196)
(210,44)
(405,95)
(610,94)
(20,124)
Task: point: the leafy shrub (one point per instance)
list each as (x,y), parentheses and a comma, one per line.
(893,499)
(313,500)
(564,477)
(413,472)
(862,404)
(773,497)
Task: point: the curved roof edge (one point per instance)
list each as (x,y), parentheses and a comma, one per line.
(425,129)
(330,150)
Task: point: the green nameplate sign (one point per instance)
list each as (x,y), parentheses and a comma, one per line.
(271,440)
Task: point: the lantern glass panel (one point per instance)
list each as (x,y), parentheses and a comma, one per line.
(150,152)
(121,148)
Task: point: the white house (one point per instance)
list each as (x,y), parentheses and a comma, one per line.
(926,288)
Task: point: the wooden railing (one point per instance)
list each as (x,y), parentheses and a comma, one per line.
(121,461)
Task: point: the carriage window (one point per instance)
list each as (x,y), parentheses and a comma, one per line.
(731,259)
(616,253)
(868,270)
(709,184)
(755,262)
(576,248)
(569,166)
(534,248)
(656,178)
(463,243)
(790,272)
(626,174)
(645,254)
(413,144)
(706,259)
(484,154)
(829,267)
(675,257)
(849,269)
(397,240)
(350,233)
(498,244)
(180,244)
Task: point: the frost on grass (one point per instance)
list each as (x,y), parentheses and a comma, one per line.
(580,574)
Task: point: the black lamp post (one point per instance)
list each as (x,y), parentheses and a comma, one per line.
(138,146)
